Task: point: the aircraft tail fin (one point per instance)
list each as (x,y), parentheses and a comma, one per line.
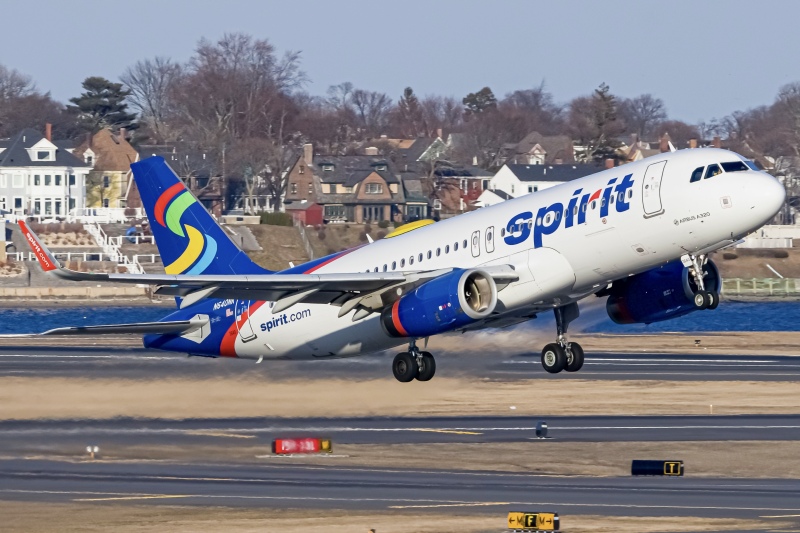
(188,238)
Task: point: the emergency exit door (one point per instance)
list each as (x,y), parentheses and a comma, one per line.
(651,189)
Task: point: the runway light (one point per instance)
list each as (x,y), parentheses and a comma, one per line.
(92,450)
(513,407)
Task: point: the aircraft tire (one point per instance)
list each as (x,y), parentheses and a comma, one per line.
(428,367)
(554,358)
(577,357)
(714,300)
(700,300)
(404,367)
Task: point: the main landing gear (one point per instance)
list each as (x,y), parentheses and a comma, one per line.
(413,364)
(563,355)
(703,299)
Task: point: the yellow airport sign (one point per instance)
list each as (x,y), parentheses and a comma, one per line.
(533,521)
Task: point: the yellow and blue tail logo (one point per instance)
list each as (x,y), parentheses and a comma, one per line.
(189,240)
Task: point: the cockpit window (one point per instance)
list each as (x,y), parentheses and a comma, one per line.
(751,165)
(712,171)
(697,175)
(735,166)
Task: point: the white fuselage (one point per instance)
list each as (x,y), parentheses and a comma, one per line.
(565,254)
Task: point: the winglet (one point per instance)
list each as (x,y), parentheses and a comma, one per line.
(46,259)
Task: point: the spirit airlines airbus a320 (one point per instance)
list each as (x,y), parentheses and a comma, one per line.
(638,234)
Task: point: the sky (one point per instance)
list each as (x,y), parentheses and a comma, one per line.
(703,59)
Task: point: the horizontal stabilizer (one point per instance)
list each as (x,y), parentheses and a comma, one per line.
(139,328)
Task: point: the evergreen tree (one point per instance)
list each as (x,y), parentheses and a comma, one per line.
(480,102)
(410,113)
(607,127)
(101,105)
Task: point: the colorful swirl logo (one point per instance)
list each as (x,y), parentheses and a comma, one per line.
(202,248)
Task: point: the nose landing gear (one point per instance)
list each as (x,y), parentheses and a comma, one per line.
(413,364)
(563,355)
(703,299)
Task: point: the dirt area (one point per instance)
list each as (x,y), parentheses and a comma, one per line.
(280,245)
(23,516)
(332,238)
(752,263)
(750,459)
(60,398)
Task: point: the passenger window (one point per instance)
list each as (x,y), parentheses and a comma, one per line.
(583,208)
(630,194)
(376,269)
(430,254)
(465,243)
(530,224)
(712,171)
(402,263)
(455,247)
(419,258)
(385,268)
(611,200)
(594,204)
(735,166)
(575,211)
(697,175)
(539,221)
(411,260)
(447,249)
(438,252)
(394,265)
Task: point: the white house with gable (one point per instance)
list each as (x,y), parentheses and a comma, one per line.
(513,181)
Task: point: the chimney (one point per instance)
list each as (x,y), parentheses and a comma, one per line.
(692,143)
(609,163)
(48,132)
(308,154)
(663,145)
(89,139)
(474,160)
(122,133)
(371,150)
(439,132)
(634,139)
(717,142)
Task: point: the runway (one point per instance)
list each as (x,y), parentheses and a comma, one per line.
(138,363)
(323,487)
(44,460)
(20,436)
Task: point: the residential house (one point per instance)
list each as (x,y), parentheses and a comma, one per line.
(514,181)
(352,188)
(198,170)
(455,189)
(40,177)
(110,182)
(537,149)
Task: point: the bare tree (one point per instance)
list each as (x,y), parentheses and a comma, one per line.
(372,110)
(151,83)
(14,84)
(641,113)
(535,110)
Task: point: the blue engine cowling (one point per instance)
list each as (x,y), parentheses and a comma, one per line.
(443,304)
(658,294)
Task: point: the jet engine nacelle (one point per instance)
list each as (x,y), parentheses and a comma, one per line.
(443,304)
(658,294)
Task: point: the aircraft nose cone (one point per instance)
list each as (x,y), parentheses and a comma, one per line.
(768,195)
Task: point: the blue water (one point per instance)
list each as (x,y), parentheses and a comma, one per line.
(36,320)
(729,316)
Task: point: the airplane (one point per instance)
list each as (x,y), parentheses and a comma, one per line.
(638,234)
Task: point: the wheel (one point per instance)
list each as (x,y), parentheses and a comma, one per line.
(701,300)
(404,367)
(554,358)
(714,299)
(575,360)
(428,368)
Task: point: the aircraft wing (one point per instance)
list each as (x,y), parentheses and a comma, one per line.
(368,290)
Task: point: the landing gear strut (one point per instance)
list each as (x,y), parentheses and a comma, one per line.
(413,364)
(703,299)
(563,355)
